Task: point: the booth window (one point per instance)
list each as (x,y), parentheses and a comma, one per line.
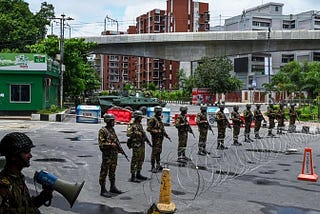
(20,93)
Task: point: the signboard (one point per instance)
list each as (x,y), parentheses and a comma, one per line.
(23,61)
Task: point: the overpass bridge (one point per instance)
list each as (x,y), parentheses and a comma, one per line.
(192,46)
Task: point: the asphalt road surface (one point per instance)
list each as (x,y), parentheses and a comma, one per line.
(259,178)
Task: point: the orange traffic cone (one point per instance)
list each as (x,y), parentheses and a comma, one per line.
(165,204)
(307,173)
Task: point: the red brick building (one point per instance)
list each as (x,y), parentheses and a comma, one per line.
(180,16)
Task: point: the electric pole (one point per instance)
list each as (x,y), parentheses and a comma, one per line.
(62,19)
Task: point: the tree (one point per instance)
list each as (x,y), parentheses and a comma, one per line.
(312,79)
(79,76)
(214,74)
(20,27)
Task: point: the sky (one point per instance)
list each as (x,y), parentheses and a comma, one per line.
(90,15)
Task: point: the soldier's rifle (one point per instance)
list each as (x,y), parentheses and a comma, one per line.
(210,128)
(146,139)
(121,149)
(190,129)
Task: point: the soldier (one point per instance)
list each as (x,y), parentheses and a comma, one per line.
(137,138)
(222,122)
(248,117)
(14,193)
(272,116)
(183,127)
(203,126)
(258,117)
(293,116)
(108,146)
(281,118)
(157,131)
(236,120)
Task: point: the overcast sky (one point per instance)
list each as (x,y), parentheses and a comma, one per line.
(89,15)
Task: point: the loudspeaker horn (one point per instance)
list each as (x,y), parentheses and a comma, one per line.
(68,190)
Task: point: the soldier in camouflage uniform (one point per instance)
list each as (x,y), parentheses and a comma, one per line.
(14,194)
(182,124)
(248,118)
(137,137)
(236,120)
(258,117)
(292,121)
(157,131)
(222,123)
(281,118)
(271,114)
(203,126)
(107,144)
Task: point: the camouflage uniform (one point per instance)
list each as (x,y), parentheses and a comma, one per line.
(17,199)
(222,123)
(248,117)
(14,194)
(182,125)
(107,143)
(258,117)
(203,126)
(156,128)
(293,116)
(236,120)
(137,136)
(280,117)
(272,116)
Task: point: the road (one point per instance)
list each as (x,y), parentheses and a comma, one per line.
(259,178)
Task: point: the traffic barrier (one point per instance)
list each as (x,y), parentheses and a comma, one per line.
(121,115)
(307,173)
(190,117)
(165,204)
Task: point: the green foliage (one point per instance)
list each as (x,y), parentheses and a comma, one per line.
(296,77)
(53,109)
(214,74)
(20,27)
(79,76)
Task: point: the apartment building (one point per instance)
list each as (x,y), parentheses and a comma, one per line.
(179,16)
(254,69)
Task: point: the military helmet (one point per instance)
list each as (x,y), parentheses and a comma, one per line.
(258,105)
(203,108)
(183,108)
(221,106)
(157,109)
(108,117)
(14,143)
(137,114)
(235,107)
(248,106)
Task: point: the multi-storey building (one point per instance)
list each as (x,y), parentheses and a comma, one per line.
(256,69)
(180,16)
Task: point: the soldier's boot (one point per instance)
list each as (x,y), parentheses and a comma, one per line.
(133,178)
(141,177)
(104,192)
(114,189)
(270,133)
(236,143)
(206,151)
(257,136)
(159,168)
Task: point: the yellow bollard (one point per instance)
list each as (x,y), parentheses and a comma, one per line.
(165,204)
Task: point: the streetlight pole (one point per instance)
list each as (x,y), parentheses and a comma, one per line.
(62,19)
(269,61)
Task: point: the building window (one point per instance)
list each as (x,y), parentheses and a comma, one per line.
(20,93)
(287,58)
(276,8)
